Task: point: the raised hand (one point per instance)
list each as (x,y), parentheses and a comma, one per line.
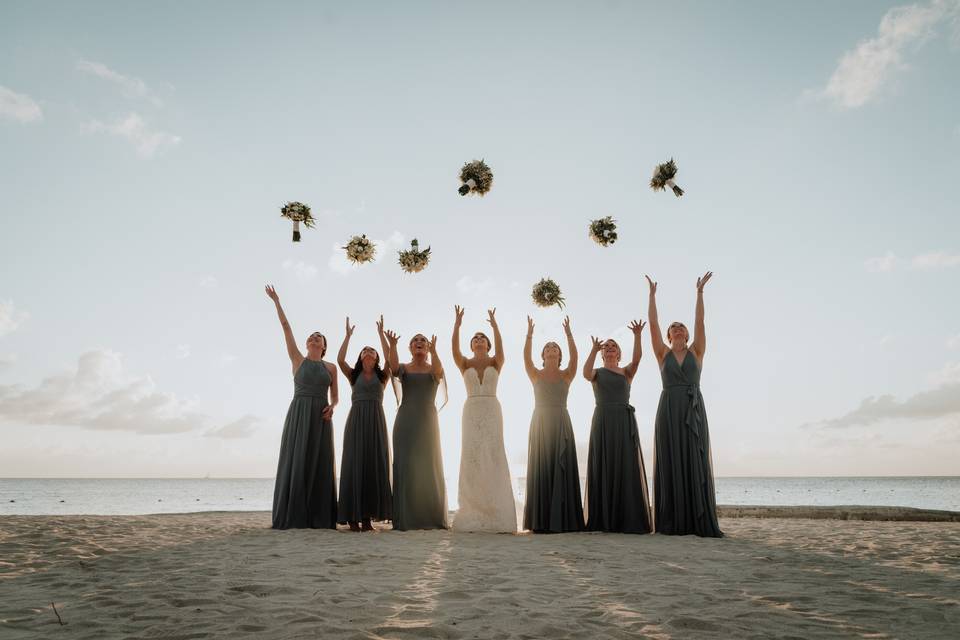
(380,326)
(566,325)
(458,310)
(272,293)
(432,345)
(392,337)
(636,327)
(702,282)
(597,345)
(349,328)
(530,326)
(491,318)
(653,285)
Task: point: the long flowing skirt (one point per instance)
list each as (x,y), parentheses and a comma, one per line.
(553,501)
(365,465)
(305,494)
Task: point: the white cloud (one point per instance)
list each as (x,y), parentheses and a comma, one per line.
(302,270)
(921,262)
(135,130)
(208,282)
(927,405)
(862,73)
(240,428)
(131,86)
(470,286)
(953,342)
(7,360)
(19,106)
(11,318)
(948,374)
(228,359)
(885,340)
(101,395)
(882,264)
(183,351)
(935,260)
(386,254)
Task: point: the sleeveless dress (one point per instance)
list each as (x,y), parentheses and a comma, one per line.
(365,465)
(485,493)
(419,492)
(305,493)
(553,476)
(682,471)
(617,498)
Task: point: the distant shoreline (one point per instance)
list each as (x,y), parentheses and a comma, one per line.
(843,512)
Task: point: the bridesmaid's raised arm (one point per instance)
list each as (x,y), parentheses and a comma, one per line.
(498,357)
(385,348)
(458,358)
(342,355)
(588,371)
(528,352)
(699,331)
(296,358)
(637,328)
(571,371)
(393,360)
(656,337)
(436,367)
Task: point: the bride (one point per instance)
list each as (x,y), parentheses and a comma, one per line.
(485,492)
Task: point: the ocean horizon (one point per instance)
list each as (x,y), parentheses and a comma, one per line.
(139,496)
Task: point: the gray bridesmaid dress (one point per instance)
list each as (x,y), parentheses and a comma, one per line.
(419,491)
(365,465)
(553,477)
(617,497)
(305,494)
(684,496)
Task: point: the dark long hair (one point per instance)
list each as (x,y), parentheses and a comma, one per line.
(358,369)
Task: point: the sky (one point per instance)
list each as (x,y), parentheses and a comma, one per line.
(146,149)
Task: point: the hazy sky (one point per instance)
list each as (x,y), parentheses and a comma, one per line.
(145,150)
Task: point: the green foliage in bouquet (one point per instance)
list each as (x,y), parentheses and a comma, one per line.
(604,231)
(663,177)
(297,212)
(546,293)
(360,249)
(476,177)
(413,260)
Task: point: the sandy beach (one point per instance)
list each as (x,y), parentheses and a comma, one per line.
(227,574)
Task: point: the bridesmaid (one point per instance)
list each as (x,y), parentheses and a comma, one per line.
(617,497)
(305,493)
(553,477)
(419,492)
(685,501)
(365,466)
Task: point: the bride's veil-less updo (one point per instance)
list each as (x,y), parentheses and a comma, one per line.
(398,387)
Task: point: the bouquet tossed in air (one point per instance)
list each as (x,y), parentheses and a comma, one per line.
(298,212)
(663,176)
(413,260)
(360,249)
(476,178)
(546,293)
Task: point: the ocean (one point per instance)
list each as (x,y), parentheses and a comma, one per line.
(57,496)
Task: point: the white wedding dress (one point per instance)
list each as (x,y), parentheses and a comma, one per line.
(485,492)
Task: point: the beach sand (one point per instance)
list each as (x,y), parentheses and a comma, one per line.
(228,575)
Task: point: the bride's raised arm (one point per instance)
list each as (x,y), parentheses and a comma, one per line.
(458,358)
(498,357)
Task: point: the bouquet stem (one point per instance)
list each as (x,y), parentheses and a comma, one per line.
(296,231)
(677,191)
